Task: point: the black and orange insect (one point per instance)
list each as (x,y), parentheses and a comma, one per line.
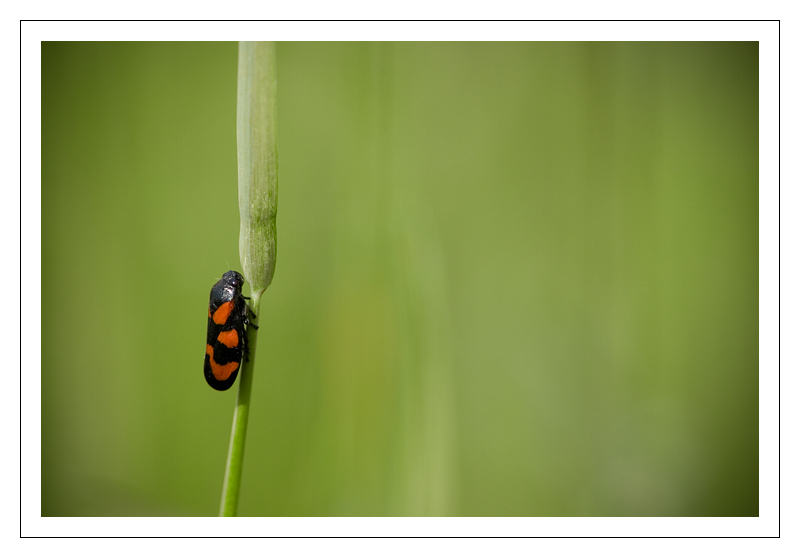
(226,341)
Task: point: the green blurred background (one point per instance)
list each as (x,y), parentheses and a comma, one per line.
(512,279)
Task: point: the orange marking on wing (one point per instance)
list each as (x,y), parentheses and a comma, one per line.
(229,338)
(221,371)
(209,312)
(223,312)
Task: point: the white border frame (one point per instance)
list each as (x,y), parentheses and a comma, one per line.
(765,32)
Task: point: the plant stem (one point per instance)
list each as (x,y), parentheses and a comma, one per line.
(257,154)
(233,468)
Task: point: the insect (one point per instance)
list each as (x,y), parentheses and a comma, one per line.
(226,341)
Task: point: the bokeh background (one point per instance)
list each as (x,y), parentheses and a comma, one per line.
(512,279)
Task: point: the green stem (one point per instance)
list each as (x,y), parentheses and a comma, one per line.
(257,154)
(233,468)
